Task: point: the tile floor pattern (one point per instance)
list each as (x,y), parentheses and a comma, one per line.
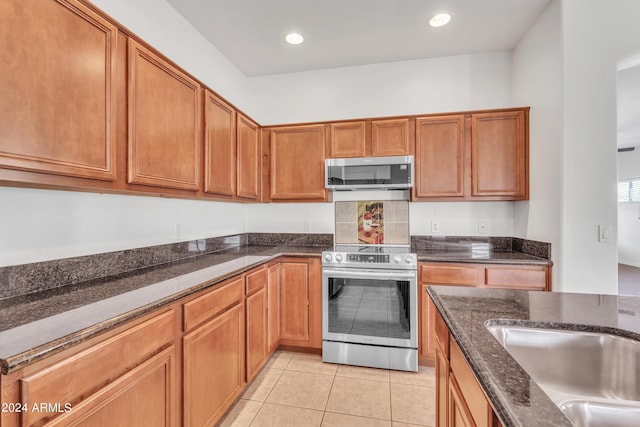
(298,389)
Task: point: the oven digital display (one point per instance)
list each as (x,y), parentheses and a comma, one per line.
(377,258)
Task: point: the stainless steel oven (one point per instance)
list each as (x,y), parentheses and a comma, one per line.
(369,307)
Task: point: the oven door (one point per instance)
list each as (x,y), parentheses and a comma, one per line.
(376,307)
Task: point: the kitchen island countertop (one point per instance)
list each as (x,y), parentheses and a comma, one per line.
(515,397)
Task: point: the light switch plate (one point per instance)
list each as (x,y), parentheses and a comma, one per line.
(605,233)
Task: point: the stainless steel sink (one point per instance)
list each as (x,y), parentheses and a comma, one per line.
(592,377)
(585,414)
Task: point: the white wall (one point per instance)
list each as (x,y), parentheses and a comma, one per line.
(39,225)
(629,213)
(537,81)
(453,83)
(461,218)
(157,23)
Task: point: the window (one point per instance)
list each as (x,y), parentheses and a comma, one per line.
(629,191)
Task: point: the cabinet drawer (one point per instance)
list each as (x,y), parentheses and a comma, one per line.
(256,280)
(474,396)
(212,303)
(70,380)
(455,275)
(516,278)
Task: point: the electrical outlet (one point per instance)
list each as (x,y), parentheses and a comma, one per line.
(483,226)
(307,225)
(435,226)
(179,230)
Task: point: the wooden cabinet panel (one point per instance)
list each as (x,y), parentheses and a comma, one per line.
(76,377)
(144,396)
(498,154)
(458,412)
(440,156)
(248,158)
(516,278)
(347,139)
(297,163)
(256,309)
(426,344)
(256,306)
(273,307)
(294,302)
(442,388)
(470,390)
(315,302)
(213,367)
(165,137)
(219,146)
(390,137)
(256,280)
(57,80)
(212,303)
(449,274)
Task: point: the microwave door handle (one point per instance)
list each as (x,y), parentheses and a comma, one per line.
(370,274)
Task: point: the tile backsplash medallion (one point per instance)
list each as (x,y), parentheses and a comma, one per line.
(372,222)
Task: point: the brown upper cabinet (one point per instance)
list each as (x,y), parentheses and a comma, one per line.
(165,136)
(477,156)
(57,80)
(231,151)
(440,156)
(388,137)
(499,149)
(219,146)
(248,158)
(297,163)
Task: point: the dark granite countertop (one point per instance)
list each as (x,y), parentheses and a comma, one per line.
(36,325)
(516,398)
(480,256)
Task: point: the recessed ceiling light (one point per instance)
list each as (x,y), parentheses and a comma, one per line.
(294,38)
(440,19)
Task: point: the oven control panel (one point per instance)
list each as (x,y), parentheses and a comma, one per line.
(377,258)
(402,261)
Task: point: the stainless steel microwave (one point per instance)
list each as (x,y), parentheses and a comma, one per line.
(369,173)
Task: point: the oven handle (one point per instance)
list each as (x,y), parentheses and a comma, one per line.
(402,275)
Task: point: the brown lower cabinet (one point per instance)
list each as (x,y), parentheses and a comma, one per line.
(512,276)
(460,401)
(184,364)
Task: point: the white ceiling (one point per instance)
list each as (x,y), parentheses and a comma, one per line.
(341,33)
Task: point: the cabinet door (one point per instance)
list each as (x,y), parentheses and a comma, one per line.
(499,154)
(297,163)
(209,390)
(426,345)
(442,388)
(273,307)
(219,146)
(440,157)
(390,137)
(347,139)
(294,302)
(248,158)
(58,91)
(458,412)
(256,308)
(144,396)
(165,136)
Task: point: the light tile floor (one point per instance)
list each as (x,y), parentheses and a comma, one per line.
(298,389)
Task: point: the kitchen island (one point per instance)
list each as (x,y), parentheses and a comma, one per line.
(514,397)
